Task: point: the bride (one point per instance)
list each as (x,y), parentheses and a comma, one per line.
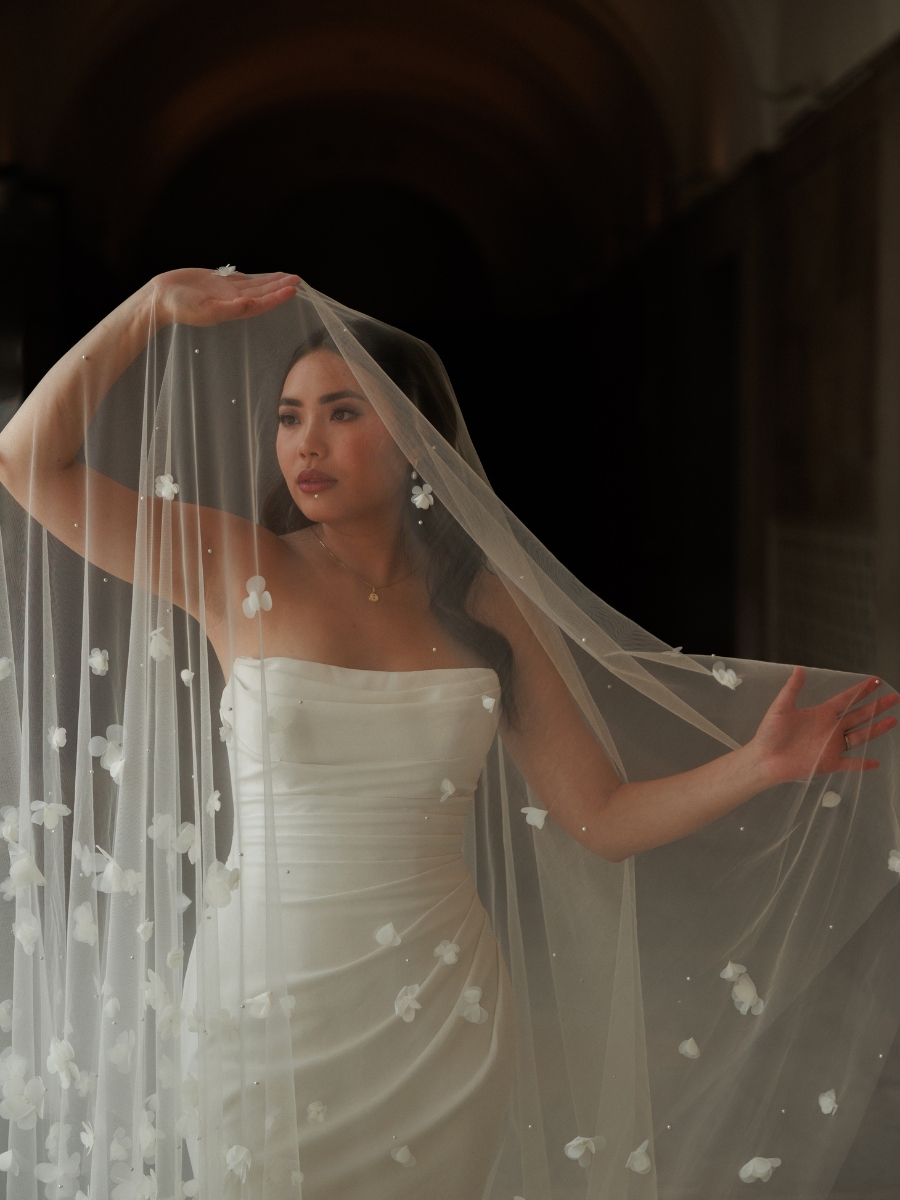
(403,980)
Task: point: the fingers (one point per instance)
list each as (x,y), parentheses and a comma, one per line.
(852,695)
(858,737)
(858,717)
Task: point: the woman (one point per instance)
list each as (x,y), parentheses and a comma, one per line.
(350,1023)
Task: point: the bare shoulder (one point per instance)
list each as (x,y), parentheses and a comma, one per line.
(491,602)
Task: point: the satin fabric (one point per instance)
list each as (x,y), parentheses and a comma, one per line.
(367,837)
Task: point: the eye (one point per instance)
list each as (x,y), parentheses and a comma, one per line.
(287,418)
(343,414)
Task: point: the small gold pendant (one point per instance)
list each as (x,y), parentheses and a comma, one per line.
(373,595)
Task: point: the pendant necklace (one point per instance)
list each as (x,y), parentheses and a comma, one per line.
(373,594)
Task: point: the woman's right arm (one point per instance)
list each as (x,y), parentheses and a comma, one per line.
(40,444)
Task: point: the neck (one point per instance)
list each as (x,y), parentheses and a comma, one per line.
(378,548)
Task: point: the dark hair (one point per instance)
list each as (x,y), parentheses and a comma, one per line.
(454,560)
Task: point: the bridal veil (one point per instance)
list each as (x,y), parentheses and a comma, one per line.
(712,1015)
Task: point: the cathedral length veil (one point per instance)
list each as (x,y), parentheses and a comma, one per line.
(713,1013)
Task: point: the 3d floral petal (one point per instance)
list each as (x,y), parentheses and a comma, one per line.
(9,1161)
(406,1004)
(166,487)
(447,789)
(9,823)
(447,952)
(60,1061)
(28,931)
(639,1160)
(23,870)
(47,813)
(228,269)
(213,803)
(831,800)
(387,935)
(98,661)
(5,668)
(145,931)
(894,861)
(422,497)
(758,1168)
(732,971)
(689,1049)
(238,1160)
(159,647)
(85,929)
(316,1111)
(57,737)
(745,996)
(488,702)
(6,1016)
(535,816)
(187,677)
(725,675)
(175,958)
(87,1136)
(220,883)
(120,1053)
(828,1102)
(582,1149)
(404,1156)
(260,1006)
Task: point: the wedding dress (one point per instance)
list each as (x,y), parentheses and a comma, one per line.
(399,1066)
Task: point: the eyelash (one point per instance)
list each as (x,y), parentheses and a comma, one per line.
(288,418)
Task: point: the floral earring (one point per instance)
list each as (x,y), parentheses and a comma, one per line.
(421,496)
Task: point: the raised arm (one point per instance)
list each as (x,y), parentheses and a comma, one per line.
(40,444)
(566,767)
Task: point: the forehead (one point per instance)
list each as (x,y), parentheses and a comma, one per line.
(319,371)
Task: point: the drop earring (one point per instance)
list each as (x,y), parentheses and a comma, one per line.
(422,497)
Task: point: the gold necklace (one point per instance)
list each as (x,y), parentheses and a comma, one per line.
(373,594)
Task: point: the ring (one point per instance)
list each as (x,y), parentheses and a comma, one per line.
(847,741)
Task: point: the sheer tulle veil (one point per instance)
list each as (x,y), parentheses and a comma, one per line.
(706,1015)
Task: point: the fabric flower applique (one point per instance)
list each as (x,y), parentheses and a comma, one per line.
(316,1111)
(213,803)
(98,661)
(27,930)
(758,1168)
(166,487)
(87,1136)
(404,1156)
(187,677)
(260,1006)
(56,736)
(9,823)
(238,1160)
(689,1049)
(5,667)
(228,269)
(22,1102)
(148,1136)
(535,816)
(159,648)
(422,496)
(23,870)
(119,1146)
(114,879)
(9,1161)
(447,952)
(448,788)
(469,1007)
(120,1053)
(488,702)
(582,1149)
(639,1160)
(220,883)
(406,1004)
(257,597)
(6,1016)
(85,929)
(109,750)
(60,1177)
(828,1102)
(47,813)
(744,994)
(145,931)
(60,1061)
(387,935)
(175,958)
(894,861)
(726,676)
(831,799)
(59,1133)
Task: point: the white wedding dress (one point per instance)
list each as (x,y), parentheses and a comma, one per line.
(388,1107)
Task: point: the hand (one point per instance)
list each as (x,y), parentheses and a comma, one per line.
(797,743)
(197,296)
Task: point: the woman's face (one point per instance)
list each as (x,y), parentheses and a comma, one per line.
(334,451)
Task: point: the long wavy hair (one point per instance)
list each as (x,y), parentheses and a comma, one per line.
(454,560)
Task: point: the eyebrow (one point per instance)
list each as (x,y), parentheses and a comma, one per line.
(327,398)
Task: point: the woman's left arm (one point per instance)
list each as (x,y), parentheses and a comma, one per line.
(567,768)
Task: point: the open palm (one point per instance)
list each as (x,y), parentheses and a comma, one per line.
(198,296)
(800,742)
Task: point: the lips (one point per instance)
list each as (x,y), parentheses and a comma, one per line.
(314,481)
